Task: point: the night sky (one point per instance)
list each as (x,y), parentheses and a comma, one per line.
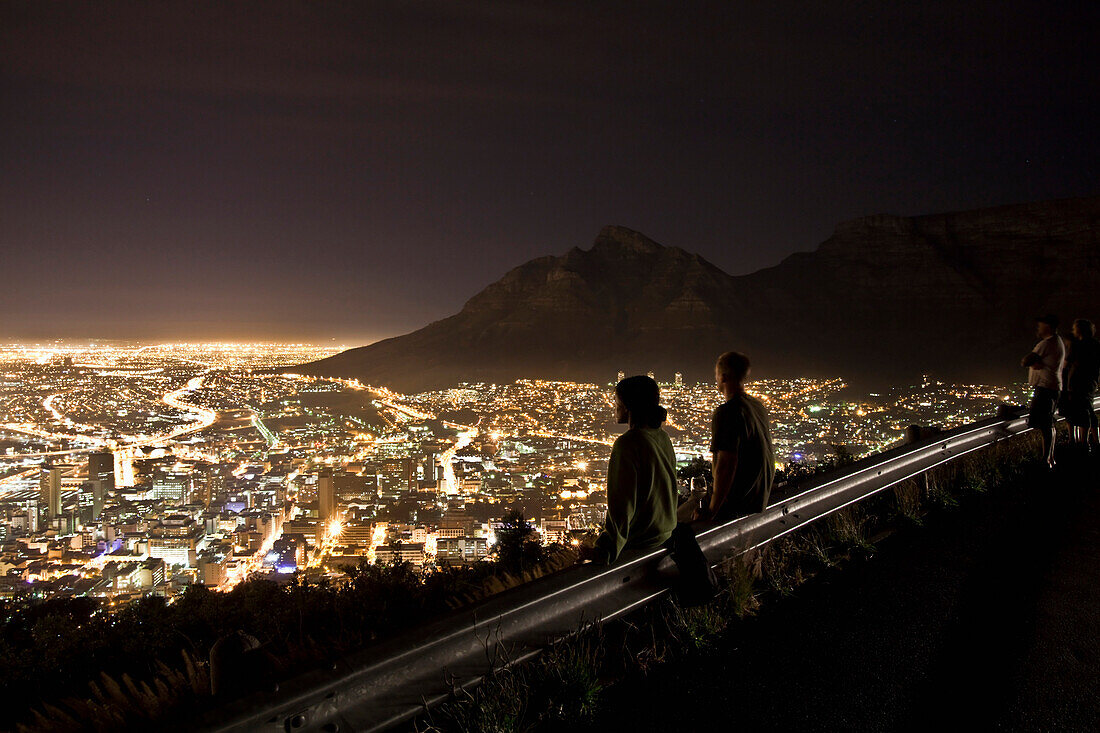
(325,170)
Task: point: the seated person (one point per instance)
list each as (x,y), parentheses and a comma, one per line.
(641,476)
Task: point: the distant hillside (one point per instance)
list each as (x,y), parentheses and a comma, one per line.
(885,298)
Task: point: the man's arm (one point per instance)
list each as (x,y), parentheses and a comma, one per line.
(1039,353)
(724,469)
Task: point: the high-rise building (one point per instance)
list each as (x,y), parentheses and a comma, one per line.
(32,517)
(208,483)
(326,497)
(431,460)
(678,380)
(620,376)
(177,540)
(98,491)
(171,484)
(101,475)
(101,467)
(49,489)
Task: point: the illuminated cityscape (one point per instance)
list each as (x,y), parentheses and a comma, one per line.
(133,469)
(312,317)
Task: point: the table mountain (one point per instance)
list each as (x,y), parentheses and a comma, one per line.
(886,298)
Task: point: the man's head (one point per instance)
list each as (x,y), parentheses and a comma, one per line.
(1084,329)
(1046,326)
(730,373)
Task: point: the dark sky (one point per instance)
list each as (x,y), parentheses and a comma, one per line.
(322,170)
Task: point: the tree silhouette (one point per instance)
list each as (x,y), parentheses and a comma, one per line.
(518,546)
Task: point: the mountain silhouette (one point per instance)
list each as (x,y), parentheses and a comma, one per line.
(883,300)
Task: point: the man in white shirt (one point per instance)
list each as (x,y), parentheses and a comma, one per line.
(1044,374)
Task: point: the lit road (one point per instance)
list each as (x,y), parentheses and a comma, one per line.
(328,541)
(206,417)
(269,436)
(64,419)
(124,455)
(249,565)
(450,482)
(405,410)
(48,404)
(38,432)
(577,438)
(466,435)
(19,476)
(10,485)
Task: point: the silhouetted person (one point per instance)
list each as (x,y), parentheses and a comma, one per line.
(239,665)
(641,476)
(1044,365)
(744,460)
(1079,380)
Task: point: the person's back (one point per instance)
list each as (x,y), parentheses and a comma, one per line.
(1084,365)
(741,425)
(641,475)
(1080,380)
(641,487)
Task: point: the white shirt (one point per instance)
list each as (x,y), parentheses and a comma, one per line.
(1047,372)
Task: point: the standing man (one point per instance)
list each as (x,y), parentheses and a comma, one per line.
(1079,382)
(1044,374)
(744,460)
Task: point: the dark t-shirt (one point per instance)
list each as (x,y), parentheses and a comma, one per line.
(1083,366)
(741,426)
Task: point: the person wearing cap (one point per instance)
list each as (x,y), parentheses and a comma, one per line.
(641,476)
(1044,364)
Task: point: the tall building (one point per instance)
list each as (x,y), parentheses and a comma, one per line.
(177,540)
(49,489)
(208,483)
(678,380)
(171,484)
(326,497)
(620,376)
(101,467)
(101,475)
(431,460)
(99,496)
(32,517)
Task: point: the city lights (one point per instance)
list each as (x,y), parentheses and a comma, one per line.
(129,469)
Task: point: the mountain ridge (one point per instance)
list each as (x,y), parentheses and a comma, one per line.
(885,297)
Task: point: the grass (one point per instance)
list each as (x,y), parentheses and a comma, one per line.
(738,596)
(560,689)
(909,498)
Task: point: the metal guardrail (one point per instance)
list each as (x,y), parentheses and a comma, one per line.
(393,681)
